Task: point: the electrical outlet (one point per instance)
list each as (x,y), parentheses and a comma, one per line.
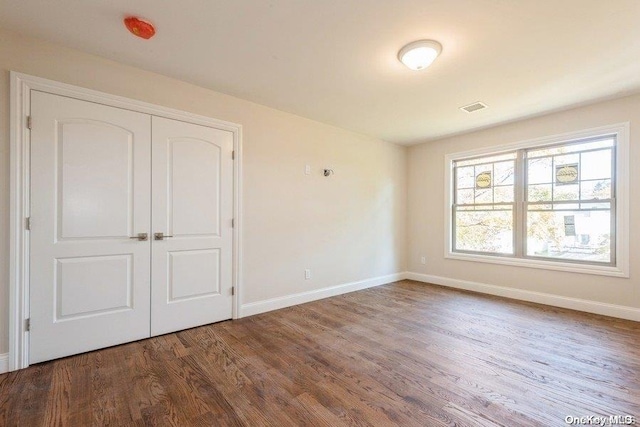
(423,260)
(307,169)
(307,274)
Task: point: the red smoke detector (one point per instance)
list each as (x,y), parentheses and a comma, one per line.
(139,27)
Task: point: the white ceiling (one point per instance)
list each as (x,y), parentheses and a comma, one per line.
(335,60)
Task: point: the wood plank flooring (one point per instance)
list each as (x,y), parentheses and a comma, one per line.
(404,354)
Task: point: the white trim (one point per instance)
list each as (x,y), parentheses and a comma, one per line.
(605,309)
(542,141)
(21,86)
(238,222)
(536,263)
(4,363)
(84,94)
(622,201)
(258,307)
(18,250)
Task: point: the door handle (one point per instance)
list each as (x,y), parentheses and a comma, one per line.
(141,236)
(160,236)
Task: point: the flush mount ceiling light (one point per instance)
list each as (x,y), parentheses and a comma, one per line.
(420,54)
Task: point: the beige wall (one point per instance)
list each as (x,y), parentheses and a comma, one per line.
(345,228)
(349,227)
(426,207)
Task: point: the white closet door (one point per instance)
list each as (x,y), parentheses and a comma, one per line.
(192,207)
(90,192)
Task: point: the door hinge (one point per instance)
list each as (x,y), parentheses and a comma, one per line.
(27,324)
(27,223)
(233,155)
(233,290)
(28,122)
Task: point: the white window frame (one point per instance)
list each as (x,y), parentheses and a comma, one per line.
(621,176)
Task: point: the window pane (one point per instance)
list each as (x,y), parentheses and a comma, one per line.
(540,171)
(570,235)
(465,177)
(485,167)
(596,165)
(465,197)
(566,192)
(539,193)
(488,231)
(484,196)
(567,159)
(504,172)
(485,180)
(503,194)
(574,175)
(600,189)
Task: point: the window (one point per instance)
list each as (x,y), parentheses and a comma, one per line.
(484,204)
(554,203)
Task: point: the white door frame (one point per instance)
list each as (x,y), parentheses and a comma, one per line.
(21,87)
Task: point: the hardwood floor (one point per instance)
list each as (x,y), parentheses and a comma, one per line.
(402,354)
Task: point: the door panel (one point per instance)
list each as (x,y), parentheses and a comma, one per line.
(110,290)
(86,197)
(90,192)
(192,203)
(193,181)
(193,274)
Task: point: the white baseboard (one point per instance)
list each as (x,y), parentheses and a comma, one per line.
(4,363)
(287,301)
(620,311)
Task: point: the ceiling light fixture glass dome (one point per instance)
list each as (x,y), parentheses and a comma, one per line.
(420,54)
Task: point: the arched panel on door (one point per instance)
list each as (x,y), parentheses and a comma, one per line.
(193,170)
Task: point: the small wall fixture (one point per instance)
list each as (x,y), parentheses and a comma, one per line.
(420,54)
(139,27)
(328,172)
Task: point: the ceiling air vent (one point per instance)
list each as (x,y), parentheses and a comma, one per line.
(476,106)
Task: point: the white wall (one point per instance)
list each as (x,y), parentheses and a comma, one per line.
(345,228)
(426,207)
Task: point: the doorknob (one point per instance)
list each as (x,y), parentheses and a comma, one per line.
(160,236)
(141,236)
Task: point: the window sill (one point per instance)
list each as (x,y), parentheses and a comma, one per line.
(599,270)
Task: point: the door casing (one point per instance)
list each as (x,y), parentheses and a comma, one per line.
(20,94)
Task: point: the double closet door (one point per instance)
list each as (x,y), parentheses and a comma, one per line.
(130,226)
